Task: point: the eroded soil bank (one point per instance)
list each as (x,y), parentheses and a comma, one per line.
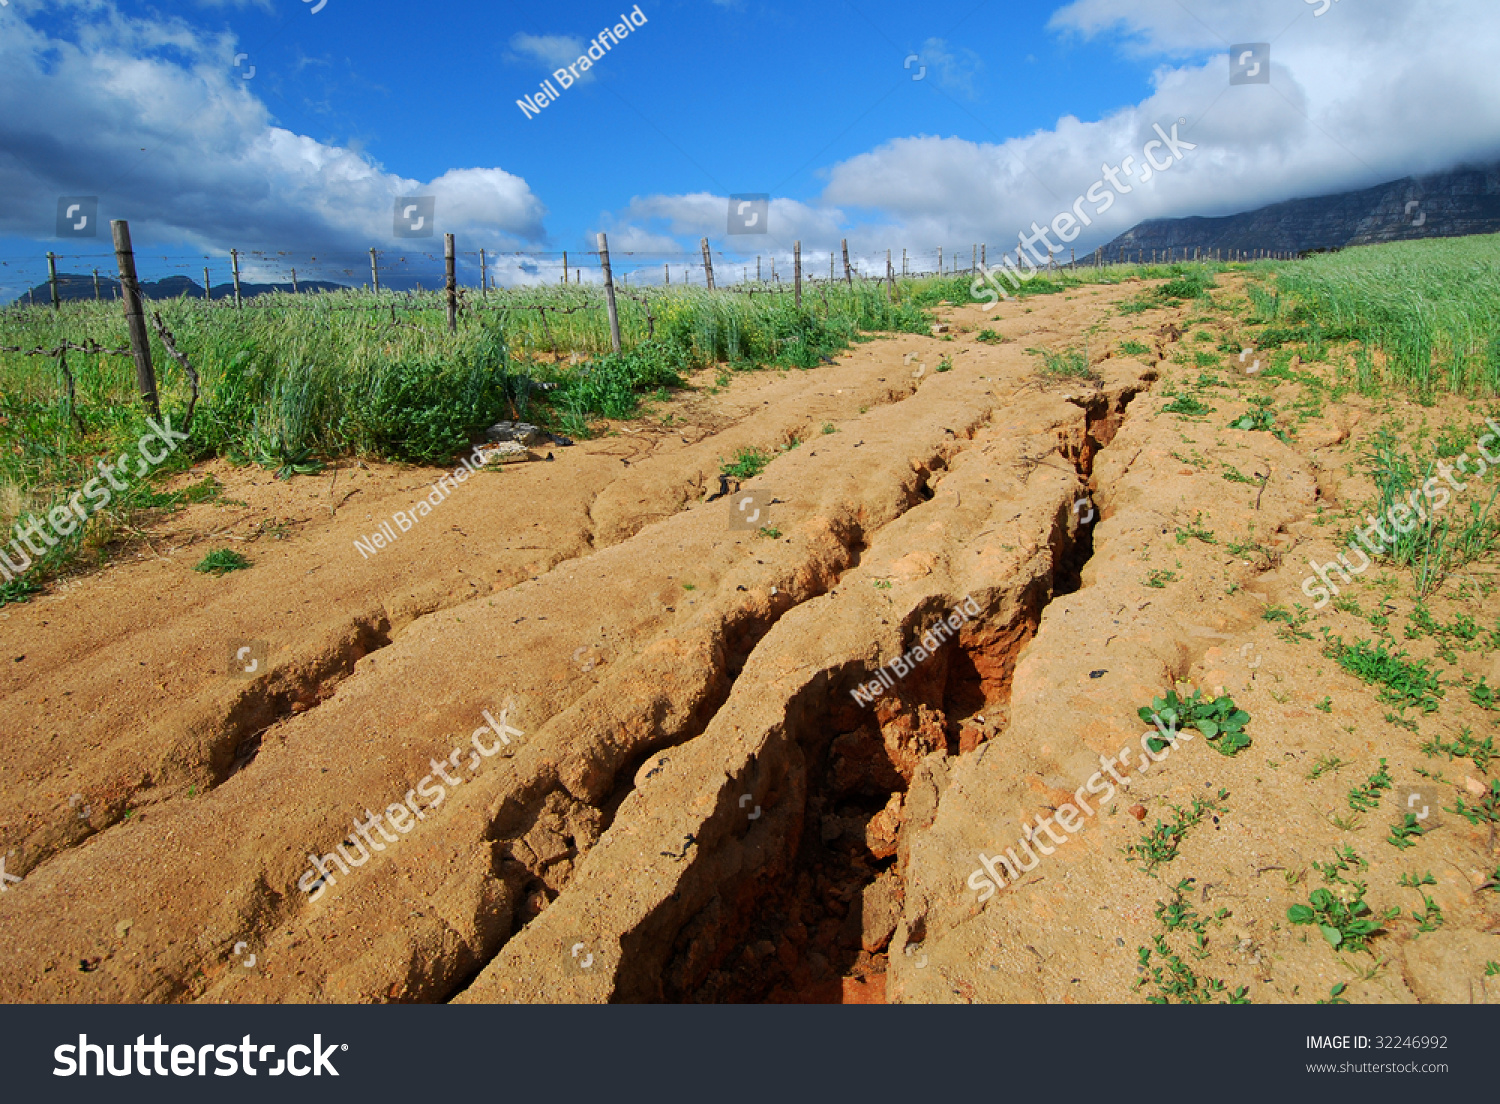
(702,798)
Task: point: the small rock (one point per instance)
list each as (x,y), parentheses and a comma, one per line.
(1099,673)
(521,433)
(507,452)
(1138,811)
(939,328)
(1475,788)
(880,908)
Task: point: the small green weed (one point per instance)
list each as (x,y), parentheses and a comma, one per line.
(221,561)
(1486,810)
(1159,845)
(1364,798)
(747,463)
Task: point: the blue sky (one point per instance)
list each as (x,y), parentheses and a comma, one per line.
(1019,106)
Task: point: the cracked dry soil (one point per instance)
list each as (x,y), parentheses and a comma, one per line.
(696,807)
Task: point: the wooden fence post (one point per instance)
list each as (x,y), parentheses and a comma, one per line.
(666,269)
(96,285)
(565,266)
(52,279)
(797,270)
(848,273)
(484,274)
(708,265)
(450,282)
(903,264)
(890,277)
(940,260)
(207,297)
(374,272)
(974,260)
(609,292)
(234,267)
(135,317)
(294,281)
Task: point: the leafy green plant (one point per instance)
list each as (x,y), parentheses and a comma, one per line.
(1344,860)
(1406,832)
(990,337)
(221,561)
(1159,579)
(1134,348)
(1484,695)
(1219,719)
(1347,925)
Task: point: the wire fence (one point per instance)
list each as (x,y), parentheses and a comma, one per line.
(90,275)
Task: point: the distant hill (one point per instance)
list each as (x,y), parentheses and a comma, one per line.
(1445,205)
(72,285)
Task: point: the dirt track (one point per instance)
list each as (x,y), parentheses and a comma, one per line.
(696,807)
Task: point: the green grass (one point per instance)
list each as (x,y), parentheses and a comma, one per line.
(1402,682)
(1068,364)
(1438,541)
(747,463)
(1432,308)
(221,561)
(1188,406)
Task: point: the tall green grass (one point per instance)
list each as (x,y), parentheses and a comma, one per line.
(288,380)
(1432,308)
